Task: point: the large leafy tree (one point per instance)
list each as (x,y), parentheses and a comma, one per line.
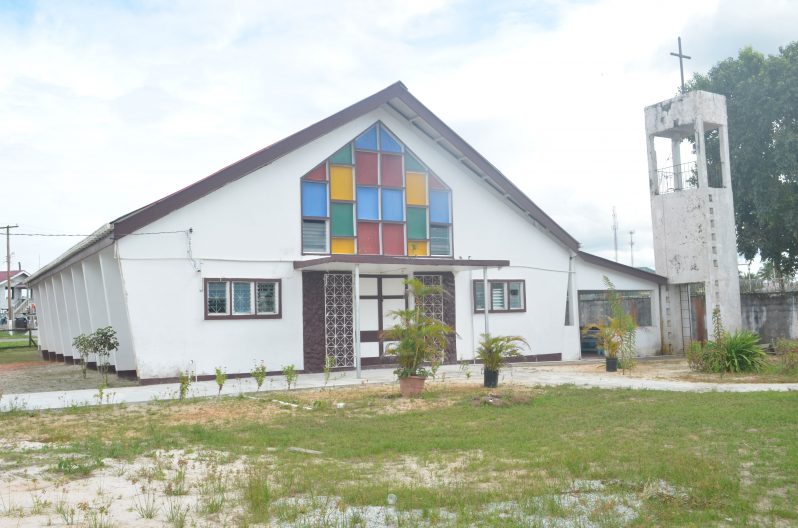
(762,99)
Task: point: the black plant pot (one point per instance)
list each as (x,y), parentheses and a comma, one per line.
(612,364)
(491,378)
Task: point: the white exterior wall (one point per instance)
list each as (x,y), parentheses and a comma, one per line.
(251,228)
(590,276)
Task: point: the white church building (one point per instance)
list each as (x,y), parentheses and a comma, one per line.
(298,253)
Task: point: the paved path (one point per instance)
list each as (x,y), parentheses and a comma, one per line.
(523,374)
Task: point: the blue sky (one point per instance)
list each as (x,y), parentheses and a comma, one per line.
(107,106)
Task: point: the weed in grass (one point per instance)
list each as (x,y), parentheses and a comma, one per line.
(212,490)
(146,503)
(176,513)
(177,484)
(8,508)
(221,377)
(329,363)
(259,373)
(184,378)
(65,511)
(256,493)
(289,371)
(38,503)
(76,467)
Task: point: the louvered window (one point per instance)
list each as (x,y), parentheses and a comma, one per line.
(505,296)
(439,241)
(314,236)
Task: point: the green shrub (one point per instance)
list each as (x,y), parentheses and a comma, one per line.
(742,353)
(787,351)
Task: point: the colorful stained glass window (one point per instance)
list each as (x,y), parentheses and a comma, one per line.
(368,139)
(343,246)
(387,142)
(368,238)
(319,173)
(416,188)
(391,170)
(416,223)
(393,239)
(393,205)
(341,185)
(439,207)
(314,199)
(368,207)
(373,197)
(343,156)
(417,248)
(412,163)
(366,167)
(343,223)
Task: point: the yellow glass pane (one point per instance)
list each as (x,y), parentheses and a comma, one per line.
(341,183)
(343,246)
(417,248)
(416,188)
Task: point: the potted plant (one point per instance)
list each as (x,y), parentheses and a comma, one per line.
(494,350)
(618,334)
(418,339)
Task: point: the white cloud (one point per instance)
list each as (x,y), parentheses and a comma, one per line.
(105,107)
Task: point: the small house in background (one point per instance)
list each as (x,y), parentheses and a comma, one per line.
(19,293)
(298,254)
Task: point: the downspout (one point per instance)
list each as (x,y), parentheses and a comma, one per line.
(356,317)
(485,304)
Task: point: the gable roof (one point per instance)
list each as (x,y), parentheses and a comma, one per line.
(395,96)
(4,274)
(623,268)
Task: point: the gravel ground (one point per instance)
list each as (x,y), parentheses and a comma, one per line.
(39,376)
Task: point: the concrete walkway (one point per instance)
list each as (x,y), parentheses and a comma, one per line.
(523,374)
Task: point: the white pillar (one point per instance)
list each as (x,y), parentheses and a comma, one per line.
(95,298)
(676,156)
(115,300)
(356,316)
(487,298)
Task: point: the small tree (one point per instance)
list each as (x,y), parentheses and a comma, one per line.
(221,377)
(289,371)
(103,342)
(618,334)
(83,345)
(259,373)
(418,337)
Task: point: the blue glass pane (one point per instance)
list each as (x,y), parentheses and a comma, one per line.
(314,199)
(439,207)
(393,205)
(388,143)
(242,297)
(367,203)
(368,139)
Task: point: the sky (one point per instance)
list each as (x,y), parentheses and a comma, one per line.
(106,106)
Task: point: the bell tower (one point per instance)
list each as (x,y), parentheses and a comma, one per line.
(692,212)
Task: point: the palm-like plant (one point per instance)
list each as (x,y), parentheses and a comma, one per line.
(493,351)
(418,337)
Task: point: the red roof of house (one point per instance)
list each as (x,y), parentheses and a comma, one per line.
(14,273)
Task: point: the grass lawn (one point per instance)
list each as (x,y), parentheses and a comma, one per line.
(568,456)
(19,352)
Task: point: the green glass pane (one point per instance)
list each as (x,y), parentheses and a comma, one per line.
(412,164)
(416,223)
(342,219)
(343,156)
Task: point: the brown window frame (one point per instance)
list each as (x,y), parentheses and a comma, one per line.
(229,291)
(479,283)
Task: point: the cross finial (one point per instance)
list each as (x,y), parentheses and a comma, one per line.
(681,56)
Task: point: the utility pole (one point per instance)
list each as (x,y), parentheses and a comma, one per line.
(8,229)
(632,246)
(615,231)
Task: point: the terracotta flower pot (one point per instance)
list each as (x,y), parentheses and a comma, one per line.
(411,386)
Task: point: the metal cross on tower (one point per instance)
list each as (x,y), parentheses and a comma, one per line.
(681,64)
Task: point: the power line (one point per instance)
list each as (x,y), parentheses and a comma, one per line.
(82,235)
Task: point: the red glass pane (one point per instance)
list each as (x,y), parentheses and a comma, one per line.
(393,239)
(319,173)
(391,170)
(368,238)
(435,183)
(366,168)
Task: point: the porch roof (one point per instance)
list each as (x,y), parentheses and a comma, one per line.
(342,262)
